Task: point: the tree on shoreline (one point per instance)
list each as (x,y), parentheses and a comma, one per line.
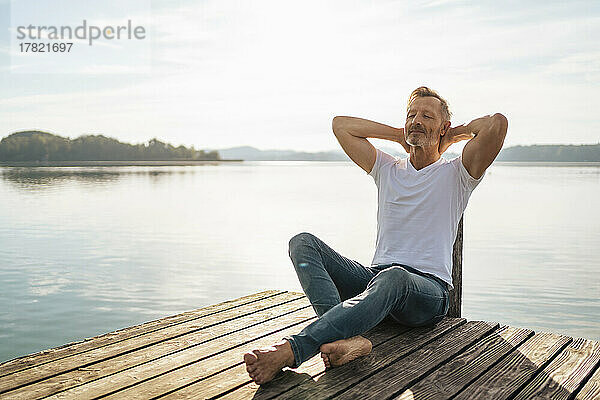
(44,146)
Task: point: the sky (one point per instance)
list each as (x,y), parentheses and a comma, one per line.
(273,74)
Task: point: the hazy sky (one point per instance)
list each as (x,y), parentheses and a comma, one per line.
(272,74)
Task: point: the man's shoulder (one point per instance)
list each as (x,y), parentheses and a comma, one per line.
(387,157)
(387,161)
(453,160)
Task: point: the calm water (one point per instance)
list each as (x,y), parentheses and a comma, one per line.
(84,251)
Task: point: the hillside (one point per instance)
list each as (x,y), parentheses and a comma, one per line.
(44,146)
(554,152)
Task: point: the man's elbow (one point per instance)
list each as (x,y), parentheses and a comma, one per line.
(337,124)
(501,119)
(502,123)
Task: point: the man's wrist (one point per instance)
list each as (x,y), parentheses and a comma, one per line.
(400,139)
(404,145)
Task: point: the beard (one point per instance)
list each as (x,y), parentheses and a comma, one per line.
(420,139)
(423,139)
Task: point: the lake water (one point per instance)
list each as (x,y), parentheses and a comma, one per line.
(84,251)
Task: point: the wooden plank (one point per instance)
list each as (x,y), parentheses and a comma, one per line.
(564,375)
(336,380)
(414,366)
(455,295)
(85,359)
(511,373)
(591,390)
(111,366)
(451,377)
(69,349)
(216,387)
(237,377)
(191,365)
(161,378)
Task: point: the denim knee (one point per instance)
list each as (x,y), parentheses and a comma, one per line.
(300,238)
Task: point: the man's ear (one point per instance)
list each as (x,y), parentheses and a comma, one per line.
(445,128)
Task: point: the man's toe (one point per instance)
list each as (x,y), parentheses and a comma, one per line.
(327,348)
(250,358)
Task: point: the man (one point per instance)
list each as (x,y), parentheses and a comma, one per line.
(420,202)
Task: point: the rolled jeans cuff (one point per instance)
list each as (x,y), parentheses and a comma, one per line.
(294,350)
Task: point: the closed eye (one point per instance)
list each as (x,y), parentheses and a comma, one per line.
(412,115)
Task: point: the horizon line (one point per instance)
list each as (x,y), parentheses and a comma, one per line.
(271,149)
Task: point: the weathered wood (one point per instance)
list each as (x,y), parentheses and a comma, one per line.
(232,378)
(69,349)
(455,375)
(392,379)
(202,357)
(225,382)
(454,309)
(65,364)
(207,353)
(213,339)
(146,382)
(564,375)
(339,379)
(505,378)
(591,390)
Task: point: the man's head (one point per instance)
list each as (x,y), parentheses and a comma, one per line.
(427,117)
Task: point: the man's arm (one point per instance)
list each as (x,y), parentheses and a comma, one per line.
(479,153)
(352,134)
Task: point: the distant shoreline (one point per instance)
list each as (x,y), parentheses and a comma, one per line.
(149,163)
(172,163)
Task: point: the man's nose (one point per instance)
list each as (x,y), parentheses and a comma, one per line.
(417,119)
(417,123)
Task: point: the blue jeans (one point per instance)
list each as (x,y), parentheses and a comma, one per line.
(350,299)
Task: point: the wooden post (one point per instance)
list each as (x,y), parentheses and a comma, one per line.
(456,293)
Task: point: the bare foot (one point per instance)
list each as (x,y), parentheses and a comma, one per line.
(263,364)
(342,351)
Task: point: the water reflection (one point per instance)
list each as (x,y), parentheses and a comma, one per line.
(34,178)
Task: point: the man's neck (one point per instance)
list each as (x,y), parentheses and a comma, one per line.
(420,157)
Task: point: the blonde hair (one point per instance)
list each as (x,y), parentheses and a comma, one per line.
(424,91)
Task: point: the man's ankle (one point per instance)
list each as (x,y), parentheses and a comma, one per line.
(290,361)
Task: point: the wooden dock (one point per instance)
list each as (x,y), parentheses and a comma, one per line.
(199,355)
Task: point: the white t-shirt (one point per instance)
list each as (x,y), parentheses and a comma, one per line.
(419,211)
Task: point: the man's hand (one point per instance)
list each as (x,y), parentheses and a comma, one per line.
(402,141)
(352,133)
(455,135)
